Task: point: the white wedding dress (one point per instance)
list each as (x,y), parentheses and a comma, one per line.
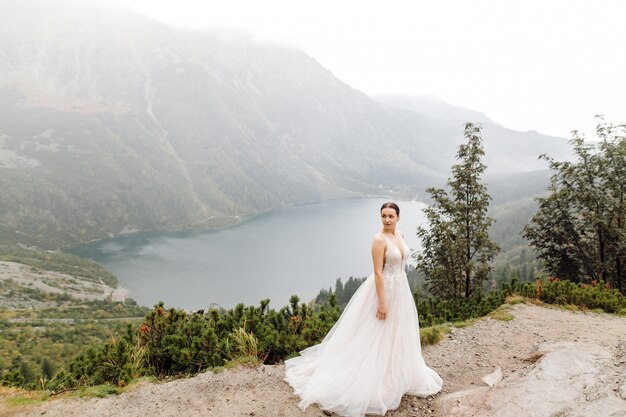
(365,365)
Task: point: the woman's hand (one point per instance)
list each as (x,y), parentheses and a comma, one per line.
(381,314)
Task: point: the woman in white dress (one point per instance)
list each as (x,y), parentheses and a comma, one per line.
(372,356)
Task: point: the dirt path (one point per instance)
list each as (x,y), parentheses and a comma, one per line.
(462,359)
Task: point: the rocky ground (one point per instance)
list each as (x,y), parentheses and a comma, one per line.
(26,277)
(545,362)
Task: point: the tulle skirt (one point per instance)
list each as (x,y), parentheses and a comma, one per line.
(365,365)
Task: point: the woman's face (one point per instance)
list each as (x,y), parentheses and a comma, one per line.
(389,217)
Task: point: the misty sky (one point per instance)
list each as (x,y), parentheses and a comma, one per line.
(547,65)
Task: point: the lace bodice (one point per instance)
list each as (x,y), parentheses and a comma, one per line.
(394,262)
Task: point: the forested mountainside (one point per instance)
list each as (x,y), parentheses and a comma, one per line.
(111,122)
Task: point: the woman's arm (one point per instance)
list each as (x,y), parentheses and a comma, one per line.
(378,254)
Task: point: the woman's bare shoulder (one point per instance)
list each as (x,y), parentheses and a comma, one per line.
(378,239)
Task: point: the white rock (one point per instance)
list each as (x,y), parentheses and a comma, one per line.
(493,378)
(559,382)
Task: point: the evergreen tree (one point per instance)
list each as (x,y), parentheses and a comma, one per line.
(46,369)
(457,250)
(339,290)
(579,229)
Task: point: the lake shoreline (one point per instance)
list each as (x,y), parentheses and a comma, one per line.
(229,222)
(285,251)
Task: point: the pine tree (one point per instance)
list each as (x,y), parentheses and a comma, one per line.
(46,369)
(457,250)
(339,290)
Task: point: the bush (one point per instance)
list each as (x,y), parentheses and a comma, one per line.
(433,310)
(174,342)
(596,295)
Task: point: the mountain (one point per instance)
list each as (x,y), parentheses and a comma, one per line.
(433,107)
(111,122)
(507,151)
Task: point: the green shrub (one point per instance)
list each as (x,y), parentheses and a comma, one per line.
(173,342)
(433,310)
(596,295)
(433,335)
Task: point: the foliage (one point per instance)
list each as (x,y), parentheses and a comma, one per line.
(517,258)
(434,310)
(520,262)
(343,292)
(174,342)
(433,335)
(580,230)
(62,305)
(597,295)
(177,342)
(98,391)
(501,314)
(117,361)
(57,261)
(456,245)
(243,346)
(506,188)
(35,343)
(510,218)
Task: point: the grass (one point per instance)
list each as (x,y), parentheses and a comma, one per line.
(515,299)
(243,349)
(464,323)
(97,391)
(519,299)
(502,313)
(151,379)
(433,334)
(24,398)
(15,397)
(104,390)
(243,360)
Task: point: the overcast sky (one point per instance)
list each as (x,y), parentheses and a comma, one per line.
(547,65)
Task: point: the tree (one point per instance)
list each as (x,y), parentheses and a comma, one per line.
(339,290)
(46,369)
(457,250)
(579,229)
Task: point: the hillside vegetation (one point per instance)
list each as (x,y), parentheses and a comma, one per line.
(113,123)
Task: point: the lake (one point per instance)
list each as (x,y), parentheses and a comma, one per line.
(296,250)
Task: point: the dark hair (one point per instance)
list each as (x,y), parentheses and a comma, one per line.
(391,205)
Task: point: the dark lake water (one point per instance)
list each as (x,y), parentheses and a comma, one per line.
(296,250)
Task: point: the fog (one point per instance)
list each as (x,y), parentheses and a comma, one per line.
(112,122)
(536,65)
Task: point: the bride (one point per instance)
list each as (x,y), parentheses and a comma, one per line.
(372,355)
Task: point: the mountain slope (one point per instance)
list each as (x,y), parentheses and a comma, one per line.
(111,122)
(507,151)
